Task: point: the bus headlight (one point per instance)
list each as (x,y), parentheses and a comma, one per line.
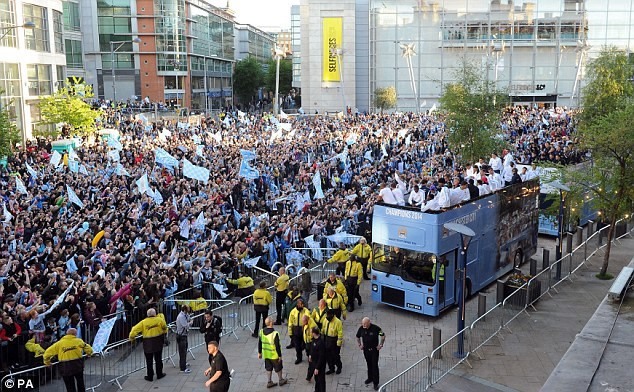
(375,288)
(430,301)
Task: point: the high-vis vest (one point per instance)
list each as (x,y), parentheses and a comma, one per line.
(441,274)
(268,345)
(262,297)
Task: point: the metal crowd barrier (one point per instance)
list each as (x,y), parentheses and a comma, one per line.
(417,380)
(431,369)
(47,378)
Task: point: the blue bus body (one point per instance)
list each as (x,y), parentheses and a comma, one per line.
(410,246)
(548,224)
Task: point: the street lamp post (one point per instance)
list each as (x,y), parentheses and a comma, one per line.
(26,25)
(408,53)
(560,224)
(112,62)
(466,234)
(279,54)
(176,64)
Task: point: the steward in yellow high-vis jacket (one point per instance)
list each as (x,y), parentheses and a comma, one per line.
(153,329)
(70,351)
(295,328)
(337,284)
(245,285)
(261,301)
(307,328)
(332,330)
(340,257)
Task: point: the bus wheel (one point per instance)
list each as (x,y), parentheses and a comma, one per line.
(518,259)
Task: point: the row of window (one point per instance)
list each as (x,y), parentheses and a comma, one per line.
(36,38)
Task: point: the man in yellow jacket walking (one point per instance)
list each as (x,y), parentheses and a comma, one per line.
(295,328)
(153,329)
(70,351)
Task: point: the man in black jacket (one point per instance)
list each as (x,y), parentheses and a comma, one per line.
(212,328)
(317,359)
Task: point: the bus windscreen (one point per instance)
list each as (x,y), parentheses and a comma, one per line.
(412,266)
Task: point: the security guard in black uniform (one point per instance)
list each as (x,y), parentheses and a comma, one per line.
(368,337)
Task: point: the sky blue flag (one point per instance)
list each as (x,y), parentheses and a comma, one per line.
(237,216)
(247,171)
(248,155)
(71,266)
(164,158)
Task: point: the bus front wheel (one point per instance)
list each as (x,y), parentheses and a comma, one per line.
(518,260)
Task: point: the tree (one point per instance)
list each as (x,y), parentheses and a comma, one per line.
(286,76)
(385,98)
(67,105)
(9,133)
(473,107)
(606,131)
(247,78)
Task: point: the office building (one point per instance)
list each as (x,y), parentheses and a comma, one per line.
(251,41)
(296,43)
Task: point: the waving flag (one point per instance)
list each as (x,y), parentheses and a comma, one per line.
(220,289)
(383,152)
(283,115)
(157,196)
(319,194)
(368,156)
(184,228)
(83,170)
(114,143)
(352,139)
(71,265)
(196,139)
(114,155)
(237,216)
(143,184)
(199,151)
(252,262)
(248,155)
(247,171)
(19,186)
(72,197)
(7,215)
(164,158)
(30,170)
(56,158)
(276,135)
(196,172)
(217,137)
(121,171)
(73,166)
(72,155)
(200,221)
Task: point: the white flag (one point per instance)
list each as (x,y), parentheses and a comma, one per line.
(82,170)
(184,228)
(19,186)
(199,151)
(283,115)
(196,172)
(383,152)
(56,158)
(220,289)
(121,171)
(200,221)
(72,155)
(7,215)
(319,194)
(72,197)
(252,262)
(143,184)
(368,156)
(114,155)
(32,172)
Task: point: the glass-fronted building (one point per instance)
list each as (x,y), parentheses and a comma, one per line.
(32,60)
(536,50)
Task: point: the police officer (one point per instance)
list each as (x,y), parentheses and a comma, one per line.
(70,351)
(370,339)
(153,329)
(317,360)
(269,348)
(332,330)
(261,301)
(295,328)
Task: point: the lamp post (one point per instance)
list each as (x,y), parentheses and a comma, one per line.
(279,54)
(26,25)
(112,52)
(466,234)
(408,53)
(560,223)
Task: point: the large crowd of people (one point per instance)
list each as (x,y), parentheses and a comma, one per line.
(121,246)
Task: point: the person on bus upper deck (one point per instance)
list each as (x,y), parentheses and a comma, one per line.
(495,180)
(459,194)
(483,188)
(386,195)
(495,163)
(508,157)
(515,179)
(474,192)
(398,194)
(443,198)
(507,173)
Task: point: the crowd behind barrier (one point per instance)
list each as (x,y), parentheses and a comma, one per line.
(431,369)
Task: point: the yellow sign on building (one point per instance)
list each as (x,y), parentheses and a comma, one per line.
(332,41)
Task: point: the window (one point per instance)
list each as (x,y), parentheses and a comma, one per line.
(37,37)
(74,57)
(410,265)
(71,16)
(58,32)
(39,79)
(10,84)
(7,18)
(61,75)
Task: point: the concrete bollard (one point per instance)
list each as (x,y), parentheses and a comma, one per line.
(533,267)
(579,235)
(482,305)
(436,341)
(545,259)
(569,243)
(499,293)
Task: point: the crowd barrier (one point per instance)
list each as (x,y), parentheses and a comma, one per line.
(47,378)
(431,369)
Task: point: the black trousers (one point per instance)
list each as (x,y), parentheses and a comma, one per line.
(75,383)
(182,350)
(298,342)
(320,380)
(158,358)
(341,268)
(311,365)
(259,315)
(364,264)
(280,297)
(333,356)
(372,361)
(353,292)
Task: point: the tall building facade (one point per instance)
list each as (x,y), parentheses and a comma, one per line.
(250,41)
(174,51)
(32,59)
(296,44)
(535,50)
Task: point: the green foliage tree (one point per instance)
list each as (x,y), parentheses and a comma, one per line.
(286,76)
(385,98)
(9,133)
(247,78)
(606,131)
(67,105)
(473,108)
